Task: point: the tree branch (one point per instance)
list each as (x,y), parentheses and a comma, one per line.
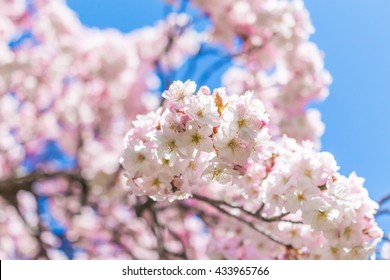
(256,215)
(157,229)
(383,212)
(384,199)
(222,210)
(9,187)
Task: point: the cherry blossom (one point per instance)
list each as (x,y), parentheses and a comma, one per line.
(92,167)
(179,139)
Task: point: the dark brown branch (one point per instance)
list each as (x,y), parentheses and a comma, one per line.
(140,208)
(258,212)
(256,215)
(249,224)
(9,187)
(157,229)
(279,218)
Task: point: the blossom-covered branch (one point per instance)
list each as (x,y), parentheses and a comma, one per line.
(229,173)
(218,145)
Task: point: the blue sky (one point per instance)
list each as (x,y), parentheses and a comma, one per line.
(355,37)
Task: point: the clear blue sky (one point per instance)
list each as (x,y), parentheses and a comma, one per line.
(355,37)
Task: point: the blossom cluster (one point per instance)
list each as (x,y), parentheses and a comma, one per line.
(198,135)
(233,176)
(218,146)
(324,215)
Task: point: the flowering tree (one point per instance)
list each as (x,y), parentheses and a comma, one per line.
(230,173)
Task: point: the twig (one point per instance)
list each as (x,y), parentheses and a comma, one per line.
(384,199)
(157,229)
(222,210)
(383,212)
(258,212)
(140,208)
(255,215)
(10,186)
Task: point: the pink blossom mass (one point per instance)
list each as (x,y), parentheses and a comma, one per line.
(106,154)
